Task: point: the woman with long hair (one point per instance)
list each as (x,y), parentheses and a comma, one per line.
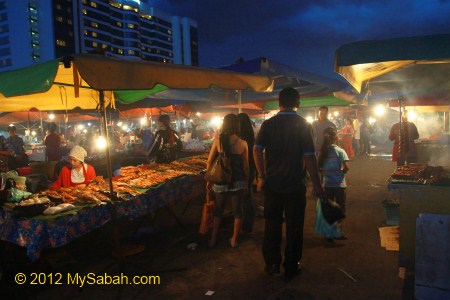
(236,149)
(247,133)
(167,144)
(333,163)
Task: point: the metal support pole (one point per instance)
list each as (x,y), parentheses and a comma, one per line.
(239,94)
(105,130)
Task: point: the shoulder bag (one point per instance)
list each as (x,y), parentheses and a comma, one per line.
(219,172)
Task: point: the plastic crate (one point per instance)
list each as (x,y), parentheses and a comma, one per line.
(392,215)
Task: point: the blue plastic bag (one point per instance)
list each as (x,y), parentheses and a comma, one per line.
(322,227)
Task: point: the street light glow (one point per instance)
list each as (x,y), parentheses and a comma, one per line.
(380,110)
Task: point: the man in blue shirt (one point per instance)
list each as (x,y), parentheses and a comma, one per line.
(287,142)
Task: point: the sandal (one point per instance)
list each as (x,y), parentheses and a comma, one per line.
(233,245)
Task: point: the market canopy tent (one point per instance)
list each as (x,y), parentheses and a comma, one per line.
(399,65)
(26,117)
(307,83)
(64,84)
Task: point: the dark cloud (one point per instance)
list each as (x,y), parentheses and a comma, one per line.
(304,34)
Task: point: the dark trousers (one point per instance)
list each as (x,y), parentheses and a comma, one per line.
(292,206)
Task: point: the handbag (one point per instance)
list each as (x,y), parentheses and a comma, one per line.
(322,226)
(206,222)
(332,212)
(219,171)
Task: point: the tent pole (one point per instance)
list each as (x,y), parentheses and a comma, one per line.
(239,94)
(105,130)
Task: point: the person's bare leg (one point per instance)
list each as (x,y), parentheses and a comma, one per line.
(215,230)
(236,231)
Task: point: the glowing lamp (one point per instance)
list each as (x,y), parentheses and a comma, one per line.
(380,110)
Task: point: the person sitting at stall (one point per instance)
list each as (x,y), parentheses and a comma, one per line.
(16,142)
(78,173)
(167,144)
(52,143)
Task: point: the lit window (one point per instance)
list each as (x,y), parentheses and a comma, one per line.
(58,6)
(131,26)
(93,4)
(94,24)
(119,24)
(131,52)
(69,21)
(120,51)
(59,19)
(86,32)
(94,44)
(169,31)
(94,34)
(84,1)
(84,11)
(60,43)
(104,46)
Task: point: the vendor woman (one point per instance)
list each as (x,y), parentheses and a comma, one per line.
(78,174)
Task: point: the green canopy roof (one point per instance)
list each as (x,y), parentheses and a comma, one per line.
(312,102)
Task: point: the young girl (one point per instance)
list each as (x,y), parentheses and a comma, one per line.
(333,164)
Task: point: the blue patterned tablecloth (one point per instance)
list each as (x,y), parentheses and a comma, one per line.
(37,234)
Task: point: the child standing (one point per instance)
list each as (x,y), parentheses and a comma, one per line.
(333,163)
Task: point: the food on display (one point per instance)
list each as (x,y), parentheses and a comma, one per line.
(421,174)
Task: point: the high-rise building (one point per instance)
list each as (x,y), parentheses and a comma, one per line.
(34,31)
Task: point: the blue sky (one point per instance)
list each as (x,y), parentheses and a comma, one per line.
(302,33)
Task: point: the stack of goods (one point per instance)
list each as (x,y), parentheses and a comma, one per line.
(421,175)
(147,176)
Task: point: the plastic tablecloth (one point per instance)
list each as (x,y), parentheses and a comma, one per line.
(45,232)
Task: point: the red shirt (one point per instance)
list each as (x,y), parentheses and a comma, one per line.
(65,177)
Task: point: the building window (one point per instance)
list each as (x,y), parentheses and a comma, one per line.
(94,44)
(94,24)
(94,34)
(59,19)
(131,26)
(93,4)
(119,24)
(131,52)
(120,51)
(86,32)
(84,11)
(61,43)
(104,46)
(69,21)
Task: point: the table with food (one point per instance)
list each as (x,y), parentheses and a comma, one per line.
(53,218)
(421,189)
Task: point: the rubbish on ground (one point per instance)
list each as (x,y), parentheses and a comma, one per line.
(347,274)
(192,246)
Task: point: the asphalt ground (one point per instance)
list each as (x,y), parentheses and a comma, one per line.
(177,264)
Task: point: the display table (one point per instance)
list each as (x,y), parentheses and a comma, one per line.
(414,200)
(45,232)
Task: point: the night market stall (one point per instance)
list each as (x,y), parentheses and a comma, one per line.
(93,81)
(406,66)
